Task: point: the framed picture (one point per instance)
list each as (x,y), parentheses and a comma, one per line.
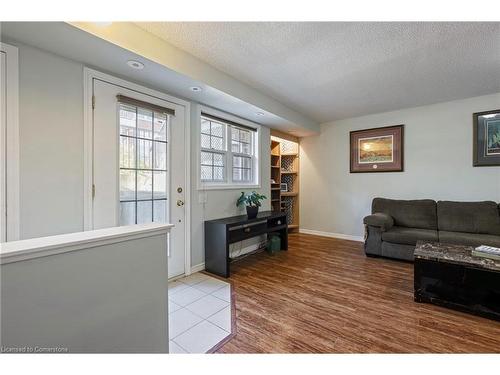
(284,187)
(486,142)
(377,149)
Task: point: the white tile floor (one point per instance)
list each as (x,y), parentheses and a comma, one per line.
(199,313)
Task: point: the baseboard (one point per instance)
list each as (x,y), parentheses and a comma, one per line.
(332,235)
(198,267)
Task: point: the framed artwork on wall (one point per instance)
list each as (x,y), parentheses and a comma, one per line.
(377,149)
(486,138)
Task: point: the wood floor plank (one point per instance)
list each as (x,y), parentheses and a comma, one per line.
(325,296)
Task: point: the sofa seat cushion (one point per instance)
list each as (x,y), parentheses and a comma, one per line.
(420,213)
(469,239)
(469,217)
(409,236)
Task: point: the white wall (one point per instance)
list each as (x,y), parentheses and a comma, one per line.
(51,143)
(438,165)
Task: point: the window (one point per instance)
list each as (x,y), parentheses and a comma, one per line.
(143,165)
(228,152)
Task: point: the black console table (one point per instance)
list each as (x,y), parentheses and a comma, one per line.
(222,232)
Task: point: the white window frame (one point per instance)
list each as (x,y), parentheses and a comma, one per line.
(228,183)
(9,140)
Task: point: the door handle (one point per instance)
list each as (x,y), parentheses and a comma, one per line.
(180,203)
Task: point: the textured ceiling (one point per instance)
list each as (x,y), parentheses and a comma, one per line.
(330,71)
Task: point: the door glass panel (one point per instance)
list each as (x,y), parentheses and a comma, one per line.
(160,126)
(159,211)
(127,185)
(159,185)
(144,154)
(144,185)
(127,120)
(143,165)
(127,213)
(144,212)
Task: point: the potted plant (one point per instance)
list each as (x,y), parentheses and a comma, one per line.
(252,202)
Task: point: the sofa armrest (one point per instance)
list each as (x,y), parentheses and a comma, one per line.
(381,220)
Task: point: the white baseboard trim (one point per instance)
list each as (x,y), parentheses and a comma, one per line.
(333,235)
(198,267)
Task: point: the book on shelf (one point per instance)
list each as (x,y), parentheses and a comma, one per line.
(487,252)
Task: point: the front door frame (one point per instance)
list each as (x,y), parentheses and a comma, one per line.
(88,76)
(11,176)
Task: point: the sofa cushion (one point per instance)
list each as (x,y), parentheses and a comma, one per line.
(409,236)
(469,239)
(469,217)
(411,214)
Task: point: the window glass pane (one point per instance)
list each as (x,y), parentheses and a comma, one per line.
(127,120)
(219,159)
(159,185)
(144,154)
(237,174)
(144,185)
(206,172)
(217,129)
(144,123)
(144,212)
(245,148)
(205,141)
(160,159)
(247,162)
(205,126)
(217,143)
(160,211)
(235,146)
(206,158)
(160,126)
(235,134)
(245,136)
(218,173)
(127,213)
(127,185)
(246,175)
(237,162)
(127,152)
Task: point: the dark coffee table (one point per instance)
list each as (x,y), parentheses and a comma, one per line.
(450,276)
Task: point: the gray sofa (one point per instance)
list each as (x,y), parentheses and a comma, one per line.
(395,226)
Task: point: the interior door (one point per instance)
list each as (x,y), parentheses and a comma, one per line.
(138,163)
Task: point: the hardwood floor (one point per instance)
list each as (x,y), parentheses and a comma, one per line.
(325,296)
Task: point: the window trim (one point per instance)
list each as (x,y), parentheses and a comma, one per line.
(228,167)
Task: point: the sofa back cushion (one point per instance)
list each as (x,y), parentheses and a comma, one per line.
(411,214)
(469,217)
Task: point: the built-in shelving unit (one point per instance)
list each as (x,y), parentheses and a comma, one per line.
(285,170)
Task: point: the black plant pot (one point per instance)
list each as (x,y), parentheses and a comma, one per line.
(252,211)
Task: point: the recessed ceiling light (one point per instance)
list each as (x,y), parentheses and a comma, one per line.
(195,88)
(259,113)
(135,64)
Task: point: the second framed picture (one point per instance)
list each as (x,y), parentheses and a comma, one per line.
(377,149)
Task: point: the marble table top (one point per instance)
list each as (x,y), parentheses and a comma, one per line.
(458,254)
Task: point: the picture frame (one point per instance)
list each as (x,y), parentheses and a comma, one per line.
(284,187)
(377,149)
(486,138)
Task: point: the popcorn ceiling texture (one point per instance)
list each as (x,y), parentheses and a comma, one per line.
(336,70)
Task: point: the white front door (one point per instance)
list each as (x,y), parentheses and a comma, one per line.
(138,163)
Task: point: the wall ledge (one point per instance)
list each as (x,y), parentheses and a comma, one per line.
(16,251)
